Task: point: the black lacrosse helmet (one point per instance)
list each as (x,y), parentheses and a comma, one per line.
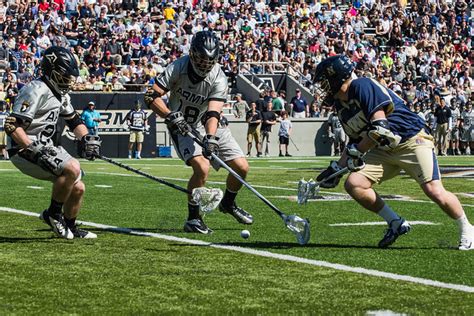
(59,67)
(204,52)
(331,74)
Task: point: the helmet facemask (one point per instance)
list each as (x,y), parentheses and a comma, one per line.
(201,63)
(62,83)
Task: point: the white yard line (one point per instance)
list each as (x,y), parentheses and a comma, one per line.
(268,254)
(382,223)
(102,186)
(34,187)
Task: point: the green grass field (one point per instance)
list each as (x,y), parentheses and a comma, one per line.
(122,273)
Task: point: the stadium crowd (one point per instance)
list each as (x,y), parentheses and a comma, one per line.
(420,49)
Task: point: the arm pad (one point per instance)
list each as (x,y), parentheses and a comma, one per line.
(379,132)
(74,121)
(12,122)
(210,114)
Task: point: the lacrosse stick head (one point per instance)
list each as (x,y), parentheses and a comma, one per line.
(207,198)
(298,226)
(307,190)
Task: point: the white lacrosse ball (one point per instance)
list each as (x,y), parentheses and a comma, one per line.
(245,234)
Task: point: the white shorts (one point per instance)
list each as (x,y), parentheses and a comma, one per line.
(229,149)
(35,171)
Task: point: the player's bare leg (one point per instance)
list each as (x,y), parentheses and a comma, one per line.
(139,150)
(228,205)
(63,185)
(360,189)
(130,150)
(450,204)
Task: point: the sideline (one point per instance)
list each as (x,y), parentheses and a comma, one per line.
(268,254)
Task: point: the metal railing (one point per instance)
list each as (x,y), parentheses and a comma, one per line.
(265,68)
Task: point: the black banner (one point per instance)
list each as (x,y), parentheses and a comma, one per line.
(113,129)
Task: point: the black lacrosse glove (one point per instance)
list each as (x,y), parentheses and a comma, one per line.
(43,156)
(331,183)
(89,147)
(355,160)
(177,123)
(210,145)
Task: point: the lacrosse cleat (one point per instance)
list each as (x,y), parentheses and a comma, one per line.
(392,233)
(306,190)
(57,223)
(81,233)
(197,225)
(239,213)
(467,240)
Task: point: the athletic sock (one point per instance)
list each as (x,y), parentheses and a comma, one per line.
(193,211)
(70,222)
(229,198)
(463,224)
(389,215)
(55,207)
(130,153)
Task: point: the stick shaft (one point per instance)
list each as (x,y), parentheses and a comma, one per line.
(291,139)
(239,178)
(146,175)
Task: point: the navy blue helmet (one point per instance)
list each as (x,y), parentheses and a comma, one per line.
(331,73)
(59,67)
(204,52)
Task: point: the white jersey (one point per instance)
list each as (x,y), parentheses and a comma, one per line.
(455,116)
(192,98)
(37,103)
(334,122)
(468,118)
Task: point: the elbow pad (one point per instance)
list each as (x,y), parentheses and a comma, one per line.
(74,122)
(379,132)
(211,114)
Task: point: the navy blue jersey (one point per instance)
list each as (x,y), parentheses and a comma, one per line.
(136,120)
(367,96)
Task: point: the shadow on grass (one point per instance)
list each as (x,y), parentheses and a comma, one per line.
(14,240)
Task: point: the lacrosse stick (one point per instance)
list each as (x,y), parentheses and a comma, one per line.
(309,189)
(207,198)
(291,139)
(297,225)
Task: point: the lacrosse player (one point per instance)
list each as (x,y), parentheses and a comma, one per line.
(31,127)
(137,123)
(198,90)
(385,137)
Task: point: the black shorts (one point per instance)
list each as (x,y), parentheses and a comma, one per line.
(284,140)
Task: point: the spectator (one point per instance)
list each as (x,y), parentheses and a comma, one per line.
(299,105)
(137,123)
(3,136)
(268,120)
(336,133)
(91,118)
(240,106)
(467,130)
(254,119)
(284,133)
(443,126)
(454,135)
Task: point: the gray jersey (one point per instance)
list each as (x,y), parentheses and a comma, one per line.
(468,119)
(37,103)
(455,116)
(334,122)
(192,98)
